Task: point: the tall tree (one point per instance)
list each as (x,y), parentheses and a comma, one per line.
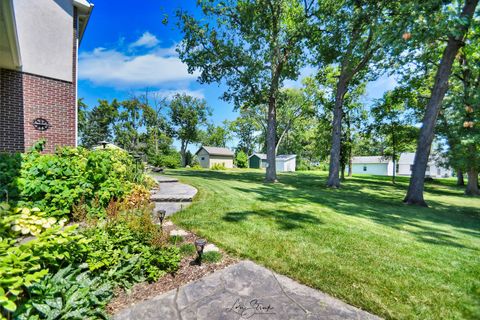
(216,136)
(393,122)
(97,124)
(187,114)
(153,105)
(245,131)
(251,45)
(128,123)
(352,35)
(460,116)
(456,37)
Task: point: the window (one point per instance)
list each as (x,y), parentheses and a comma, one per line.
(428,169)
(202,158)
(438,172)
(364,168)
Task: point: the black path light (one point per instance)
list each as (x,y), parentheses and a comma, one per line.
(103,143)
(161,216)
(199,245)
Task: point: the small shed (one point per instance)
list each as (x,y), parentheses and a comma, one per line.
(208,156)
(257,161)
(284,162)
(376,165)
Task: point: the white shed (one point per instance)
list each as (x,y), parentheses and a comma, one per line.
(434,167)
(376,165)
(286,162)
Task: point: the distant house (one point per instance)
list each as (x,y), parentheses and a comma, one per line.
(378,165)
(285,162)
(38,71)
(208,156)
(434,167)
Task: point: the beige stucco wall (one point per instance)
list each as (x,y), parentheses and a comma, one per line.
(45,37)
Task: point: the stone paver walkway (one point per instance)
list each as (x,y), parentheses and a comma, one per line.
(172,196)
(243,291)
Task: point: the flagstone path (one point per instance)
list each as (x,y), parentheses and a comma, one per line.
(243,291)
(172,196)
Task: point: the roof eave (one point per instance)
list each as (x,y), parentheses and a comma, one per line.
(11,31)
(84,11)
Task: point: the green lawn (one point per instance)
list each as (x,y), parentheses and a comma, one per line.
(358,243)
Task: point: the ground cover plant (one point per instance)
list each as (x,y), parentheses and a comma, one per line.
(358,243)
(52,268)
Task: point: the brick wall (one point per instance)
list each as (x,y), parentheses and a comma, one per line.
(25,97)
(11,111)
(53,100)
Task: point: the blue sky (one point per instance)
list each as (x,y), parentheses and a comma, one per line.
(127,49)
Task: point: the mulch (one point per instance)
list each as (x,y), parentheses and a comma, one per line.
(187,272)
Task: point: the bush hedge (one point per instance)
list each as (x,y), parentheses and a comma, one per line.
(50,269)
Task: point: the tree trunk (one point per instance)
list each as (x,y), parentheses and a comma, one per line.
(415,189)
(460,181)
(342,173)
(333,171)
(271,175)
(394,154)
(472,184)
(183,151)
(350,164)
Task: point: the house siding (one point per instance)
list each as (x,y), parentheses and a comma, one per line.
(225,160)
(203,158)
(372,168)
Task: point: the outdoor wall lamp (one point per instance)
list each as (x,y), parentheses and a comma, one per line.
(199,245)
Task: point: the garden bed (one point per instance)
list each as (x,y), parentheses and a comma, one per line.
(187,272)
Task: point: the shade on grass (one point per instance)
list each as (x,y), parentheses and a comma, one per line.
(358,243)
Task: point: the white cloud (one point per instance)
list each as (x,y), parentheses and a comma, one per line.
(113,68)
(147,40)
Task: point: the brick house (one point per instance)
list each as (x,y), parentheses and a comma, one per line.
(38,71)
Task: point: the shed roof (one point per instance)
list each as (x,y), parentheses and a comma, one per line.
(406,158)
(371,159)
(216,151)
(262,156)
(285,157)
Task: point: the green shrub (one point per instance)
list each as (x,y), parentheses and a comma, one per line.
(56,182)
(212,257)
(241,159)
(218,166)
(171,160)
(22,265)
(126,242)
(187,249)
(10,165)
(68,294)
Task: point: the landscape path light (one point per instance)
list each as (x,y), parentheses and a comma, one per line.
(199,245)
